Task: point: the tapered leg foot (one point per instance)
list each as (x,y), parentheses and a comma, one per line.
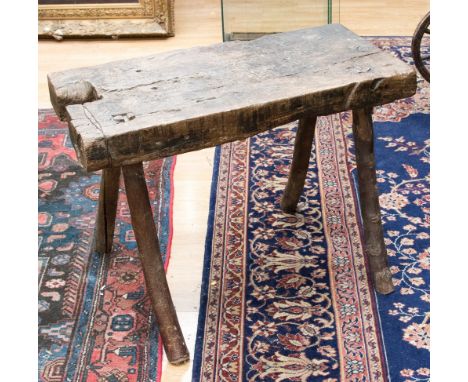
(107,208)
(369,197)
(300,163)
(383,281)
(153,267)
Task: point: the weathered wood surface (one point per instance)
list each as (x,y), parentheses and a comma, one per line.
(107,209)
(369,197)
(153,267)
(150,107)
(300,163)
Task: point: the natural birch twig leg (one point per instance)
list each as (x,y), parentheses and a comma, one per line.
(300,163)
(369,197)
(107,208)
(153,267)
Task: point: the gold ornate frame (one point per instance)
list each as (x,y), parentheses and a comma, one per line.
(145,18)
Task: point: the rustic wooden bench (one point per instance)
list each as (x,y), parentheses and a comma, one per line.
(126,112)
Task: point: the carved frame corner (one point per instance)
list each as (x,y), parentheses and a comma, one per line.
(148,18)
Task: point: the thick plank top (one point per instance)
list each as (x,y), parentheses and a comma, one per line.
(151,107)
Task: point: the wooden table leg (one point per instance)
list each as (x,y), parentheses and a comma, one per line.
(300,164)
(369,198)
(153,267)
(107,208)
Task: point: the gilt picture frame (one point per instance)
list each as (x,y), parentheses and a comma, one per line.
(61,19)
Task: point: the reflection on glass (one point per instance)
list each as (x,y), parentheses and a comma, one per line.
(248,19)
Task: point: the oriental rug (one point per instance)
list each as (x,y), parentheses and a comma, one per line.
(95,319)
(287,297)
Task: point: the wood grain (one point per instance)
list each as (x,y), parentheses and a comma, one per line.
(155,106)
(300,163)
(369,200)
(107,208)
(153,267)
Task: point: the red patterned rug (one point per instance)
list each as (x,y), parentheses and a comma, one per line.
(288,297)
(95,319)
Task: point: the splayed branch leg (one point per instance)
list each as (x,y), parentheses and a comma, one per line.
(369,197)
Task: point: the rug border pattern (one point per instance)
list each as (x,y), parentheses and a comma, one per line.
(151,366)
(331,161)
(365,350)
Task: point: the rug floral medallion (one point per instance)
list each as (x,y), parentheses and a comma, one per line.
(287,297)
(95,320)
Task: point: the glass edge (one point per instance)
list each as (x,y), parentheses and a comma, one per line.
(222,21)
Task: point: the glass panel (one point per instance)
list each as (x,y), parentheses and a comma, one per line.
(248,19)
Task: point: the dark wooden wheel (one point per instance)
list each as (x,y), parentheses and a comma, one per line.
(421,61)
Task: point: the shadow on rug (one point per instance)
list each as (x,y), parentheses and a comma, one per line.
(95,321)
(288,297)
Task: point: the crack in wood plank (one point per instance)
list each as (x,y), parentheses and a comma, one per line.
(166,104)
(97,125)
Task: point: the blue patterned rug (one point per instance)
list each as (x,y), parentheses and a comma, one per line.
(95,319)
(288,297)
